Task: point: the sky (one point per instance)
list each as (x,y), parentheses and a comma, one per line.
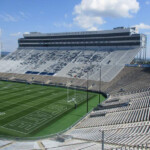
(23,16)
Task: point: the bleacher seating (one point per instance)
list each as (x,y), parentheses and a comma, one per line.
(124,116)
(126,125)
(20,146)
(65,63)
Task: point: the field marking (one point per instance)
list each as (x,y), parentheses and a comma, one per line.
(28,106)
(31,112)
(35,90)
(42,122)
(2,113)
(10,102)
(36,126)
(43,109)
(26,87)
(14,90)
(12,129)
(19,93)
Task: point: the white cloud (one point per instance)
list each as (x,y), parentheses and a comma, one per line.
(56,24)
(142,26)
(88,22)
(14,18)
(93,29)
(22,14)
(91,13)
(63,24)
(26,33)
(147,2)
(8,18)
(16,34)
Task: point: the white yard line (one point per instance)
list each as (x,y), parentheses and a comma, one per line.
(12,129)
(39,125)
(28,106)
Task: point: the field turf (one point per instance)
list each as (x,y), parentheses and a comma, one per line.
(28,110)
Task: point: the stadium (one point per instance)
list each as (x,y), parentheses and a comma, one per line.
(76,90)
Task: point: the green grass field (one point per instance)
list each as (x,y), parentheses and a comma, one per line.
(36,110)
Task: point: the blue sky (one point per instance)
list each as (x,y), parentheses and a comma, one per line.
(20,16)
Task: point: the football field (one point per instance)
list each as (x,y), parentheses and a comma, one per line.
(28,110)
